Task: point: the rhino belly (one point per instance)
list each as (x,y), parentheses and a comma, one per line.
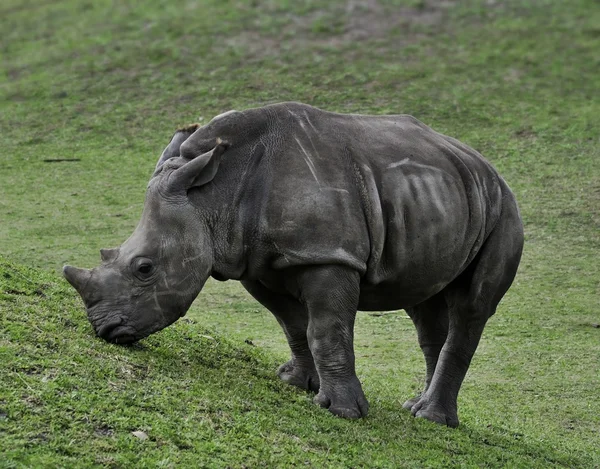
(394,295)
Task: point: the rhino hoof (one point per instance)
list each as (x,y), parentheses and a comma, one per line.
(301,377)
(438,417)
(408,405)
(435,413)
(347,401)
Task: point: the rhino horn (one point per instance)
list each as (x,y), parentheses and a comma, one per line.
(108,255)
(201,170)
(79,278)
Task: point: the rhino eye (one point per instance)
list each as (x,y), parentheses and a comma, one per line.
(143,267)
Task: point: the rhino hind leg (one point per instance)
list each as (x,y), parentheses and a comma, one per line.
(471,299)
(431,321)
(292,316)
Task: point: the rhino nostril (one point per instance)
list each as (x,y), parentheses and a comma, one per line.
(104,330)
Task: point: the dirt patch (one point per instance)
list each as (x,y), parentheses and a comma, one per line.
(103,430)
(370,20)
(339,26)
(526,133)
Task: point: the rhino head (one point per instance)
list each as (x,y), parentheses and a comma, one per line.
(151,280)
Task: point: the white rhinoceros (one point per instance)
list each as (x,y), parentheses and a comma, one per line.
(320,215)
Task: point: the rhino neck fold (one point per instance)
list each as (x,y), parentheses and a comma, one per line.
(232,204)
(231,210)
(227,235)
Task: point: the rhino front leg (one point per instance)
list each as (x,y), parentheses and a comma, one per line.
(330,294)
(292,316)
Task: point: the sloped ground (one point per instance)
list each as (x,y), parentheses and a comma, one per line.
(188,397)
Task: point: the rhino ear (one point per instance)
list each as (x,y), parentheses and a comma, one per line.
(108,255)
(173,148)
(199,171)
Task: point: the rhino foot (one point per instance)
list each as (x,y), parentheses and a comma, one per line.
(346,400)
(408,405)
(299,376)
(434,412)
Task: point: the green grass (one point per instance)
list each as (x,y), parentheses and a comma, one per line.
(107,84)
(69,399)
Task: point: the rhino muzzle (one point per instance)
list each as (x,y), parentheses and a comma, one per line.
(114,331)
(113,328)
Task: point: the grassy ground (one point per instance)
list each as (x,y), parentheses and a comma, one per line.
(107,83)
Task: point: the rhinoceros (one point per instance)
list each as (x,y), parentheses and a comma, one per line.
(319,215)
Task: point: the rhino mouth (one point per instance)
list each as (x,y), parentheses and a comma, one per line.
(121,335)
(123,339)
(114,331)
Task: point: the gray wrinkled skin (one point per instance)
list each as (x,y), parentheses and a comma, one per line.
(320,215)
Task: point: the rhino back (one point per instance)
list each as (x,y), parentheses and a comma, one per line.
(386,195)
(406,206)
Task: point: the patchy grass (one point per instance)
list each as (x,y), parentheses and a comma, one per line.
(106,84)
